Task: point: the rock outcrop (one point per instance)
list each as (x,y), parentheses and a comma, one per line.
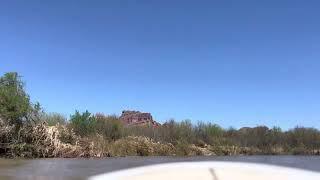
(138,118)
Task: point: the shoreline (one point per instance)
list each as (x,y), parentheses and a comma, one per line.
(164,156)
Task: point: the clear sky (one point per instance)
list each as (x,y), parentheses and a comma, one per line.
(234,63)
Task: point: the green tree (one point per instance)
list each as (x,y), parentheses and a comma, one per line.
(14,101)
(83,124)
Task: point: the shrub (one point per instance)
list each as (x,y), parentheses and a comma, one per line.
(182,149)
(53,119)
(83,124)
(109,126)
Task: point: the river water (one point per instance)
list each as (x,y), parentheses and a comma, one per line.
(73,169)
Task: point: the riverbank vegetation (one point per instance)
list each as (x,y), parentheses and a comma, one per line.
(27,131)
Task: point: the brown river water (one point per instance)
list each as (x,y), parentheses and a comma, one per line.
(74,169)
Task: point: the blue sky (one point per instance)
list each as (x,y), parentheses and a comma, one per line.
(234,63)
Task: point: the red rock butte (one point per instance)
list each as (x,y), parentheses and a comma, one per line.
(138,118)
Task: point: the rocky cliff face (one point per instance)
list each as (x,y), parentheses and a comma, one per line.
(137,118)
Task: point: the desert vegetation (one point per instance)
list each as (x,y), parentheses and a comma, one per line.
(27,131)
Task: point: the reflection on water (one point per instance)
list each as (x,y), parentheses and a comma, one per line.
(77,169)
(7,163)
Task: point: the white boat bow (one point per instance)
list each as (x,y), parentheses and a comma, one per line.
(210,171)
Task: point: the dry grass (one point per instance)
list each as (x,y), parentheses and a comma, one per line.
(60,141)
(140,146)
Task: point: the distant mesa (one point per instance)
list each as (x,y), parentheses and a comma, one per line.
(138,118)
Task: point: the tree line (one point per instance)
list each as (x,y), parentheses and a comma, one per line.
(18,112)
